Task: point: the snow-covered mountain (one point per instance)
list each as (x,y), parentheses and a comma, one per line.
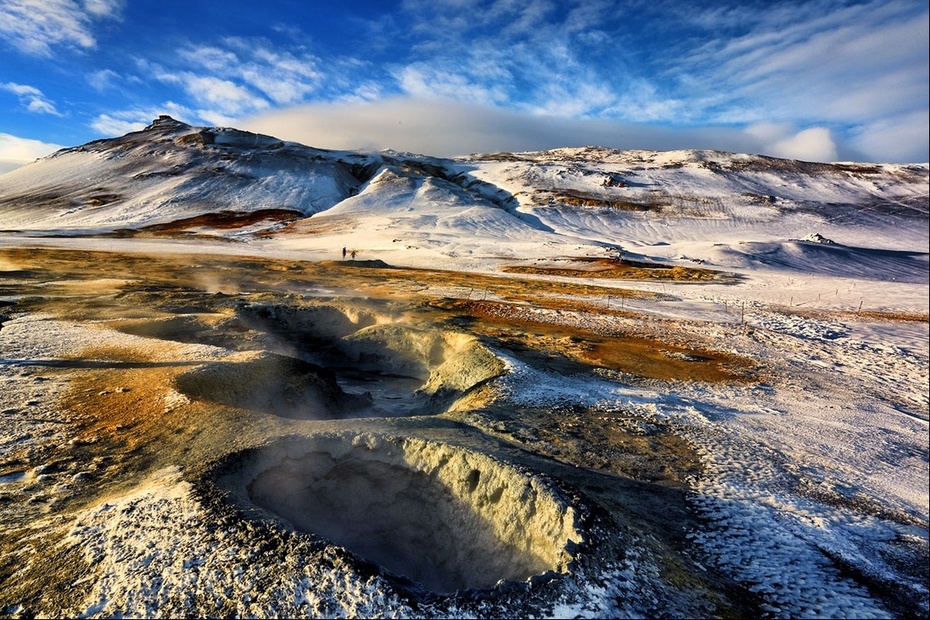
(726,210)
(171,171)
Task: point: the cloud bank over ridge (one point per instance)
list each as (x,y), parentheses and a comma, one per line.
(447,128)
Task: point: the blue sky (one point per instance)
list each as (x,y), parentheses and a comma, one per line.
(816,80)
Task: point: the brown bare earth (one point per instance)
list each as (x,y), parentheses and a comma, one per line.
(620,269)
(911,317)
(220,220)
(575,348)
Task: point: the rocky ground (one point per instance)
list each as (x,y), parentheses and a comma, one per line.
(225,435)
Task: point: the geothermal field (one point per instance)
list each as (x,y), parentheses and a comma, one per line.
(246,377)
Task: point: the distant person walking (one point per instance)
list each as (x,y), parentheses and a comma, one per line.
(353,254)
(343,252)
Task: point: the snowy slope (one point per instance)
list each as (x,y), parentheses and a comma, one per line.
(405,209)
(727,210)
(170,171)
(682,203)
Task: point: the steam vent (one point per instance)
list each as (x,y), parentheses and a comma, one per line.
(444,517)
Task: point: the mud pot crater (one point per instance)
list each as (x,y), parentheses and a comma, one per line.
(443,517)
(406,368)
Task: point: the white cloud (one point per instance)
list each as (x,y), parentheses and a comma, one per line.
(530,56)
(239,77)
(814,144)
(447,128)
(364,91)
(452,18)
(37,26)
(420,80)
(215,96)
(221,95)
(642,102)
(782,140)
(103,79)
(210,58)
(104,8)
(31,98)
(216,119)
(896,139)
(585,19)
(125,121)
(284,77)
(815,63)
(577,98)
(111,126)
(16,151)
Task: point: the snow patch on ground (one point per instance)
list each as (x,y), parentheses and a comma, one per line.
(797,487)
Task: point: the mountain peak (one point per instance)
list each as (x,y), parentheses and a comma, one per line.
(166,122)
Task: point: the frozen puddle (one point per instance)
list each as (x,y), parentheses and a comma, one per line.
(444,517)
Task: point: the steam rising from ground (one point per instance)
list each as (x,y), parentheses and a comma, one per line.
(444,517)
(270,383)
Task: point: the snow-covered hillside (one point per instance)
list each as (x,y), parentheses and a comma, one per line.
(680,205)
(171,171)
(703,205)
